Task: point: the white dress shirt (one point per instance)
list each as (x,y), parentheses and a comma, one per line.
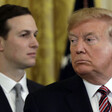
(8,84)
(95,96)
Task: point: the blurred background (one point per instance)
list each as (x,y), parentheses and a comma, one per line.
(51,16)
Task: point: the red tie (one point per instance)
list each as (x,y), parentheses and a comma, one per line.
(104,104)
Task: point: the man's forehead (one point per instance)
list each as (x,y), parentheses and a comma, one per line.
(25,22)
(23,19)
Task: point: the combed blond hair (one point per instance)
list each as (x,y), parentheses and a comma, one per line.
(87,14)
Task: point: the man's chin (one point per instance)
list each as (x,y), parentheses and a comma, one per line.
(30,65)
(82,68)
(84,71)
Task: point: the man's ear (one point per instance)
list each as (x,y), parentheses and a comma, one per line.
(1,44)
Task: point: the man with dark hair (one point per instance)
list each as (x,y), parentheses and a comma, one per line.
(18,47)
(90,35)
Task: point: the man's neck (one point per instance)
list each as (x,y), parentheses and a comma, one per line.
(14,75)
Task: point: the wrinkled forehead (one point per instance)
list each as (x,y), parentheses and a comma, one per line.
(75,24)
(92,27)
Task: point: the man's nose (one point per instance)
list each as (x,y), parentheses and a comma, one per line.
(80,47)
(33,42)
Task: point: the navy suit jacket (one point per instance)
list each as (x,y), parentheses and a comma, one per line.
(4,104)
(66,96)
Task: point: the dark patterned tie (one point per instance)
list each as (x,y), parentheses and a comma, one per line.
(104,104)
(19,101)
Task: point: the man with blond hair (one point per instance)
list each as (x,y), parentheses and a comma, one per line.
(90,35)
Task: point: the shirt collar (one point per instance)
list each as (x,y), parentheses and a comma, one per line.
(7,83)
(92,89)
(109,85)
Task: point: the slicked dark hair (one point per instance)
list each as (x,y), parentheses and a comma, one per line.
(9,11)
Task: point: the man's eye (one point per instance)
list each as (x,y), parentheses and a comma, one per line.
(23,35)
(91,40)
(73,41)
(26,35)
(35,35)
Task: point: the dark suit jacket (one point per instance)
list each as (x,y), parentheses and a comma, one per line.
(4,104)
(66,96)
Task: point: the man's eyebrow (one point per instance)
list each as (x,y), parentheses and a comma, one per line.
(87,34)
(71,34)
(90,34)
(24,31)
(36,31)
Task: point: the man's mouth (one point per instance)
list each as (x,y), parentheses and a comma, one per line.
(33,54)
(82,62)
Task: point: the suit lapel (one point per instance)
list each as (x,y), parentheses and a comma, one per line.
(78,99)
(32,86)
(4,104)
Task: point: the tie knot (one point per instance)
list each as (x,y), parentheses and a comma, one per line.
(104,90)
(18,89)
